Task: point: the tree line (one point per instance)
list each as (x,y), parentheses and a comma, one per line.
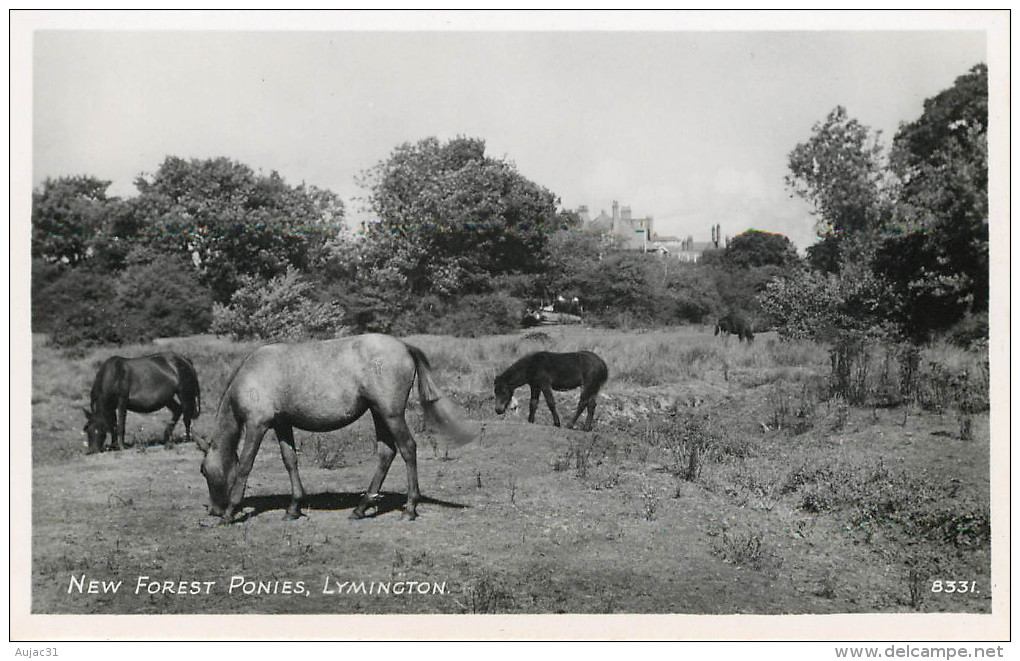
(903,247)
(463,243)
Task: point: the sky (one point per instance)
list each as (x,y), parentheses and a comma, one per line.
(692,128)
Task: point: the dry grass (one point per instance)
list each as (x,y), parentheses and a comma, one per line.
(720,478)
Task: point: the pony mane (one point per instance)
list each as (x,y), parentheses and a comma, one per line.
(230,382)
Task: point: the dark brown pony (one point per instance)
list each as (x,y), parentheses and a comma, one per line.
(142,385)
(322,386)
(545,372)
(736,324)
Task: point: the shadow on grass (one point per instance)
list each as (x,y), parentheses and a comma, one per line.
(390,502)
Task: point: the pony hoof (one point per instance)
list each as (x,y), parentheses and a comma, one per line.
(410,516)
(292,516)
(356,515)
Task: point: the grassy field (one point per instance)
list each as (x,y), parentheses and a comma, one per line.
(720,478)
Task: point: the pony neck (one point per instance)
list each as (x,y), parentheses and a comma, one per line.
(228,433)
(517,374)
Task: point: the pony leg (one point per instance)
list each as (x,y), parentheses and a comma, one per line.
(533,403)
(591,413)
(409,453)
(386,450)
(252,441)
(187,425)
(285,435)
(168,435)
(582,404)
(547,391)
(118,432)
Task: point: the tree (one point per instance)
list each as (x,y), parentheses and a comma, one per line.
(757,248)
(839,170)
(571,257)
(281,309)
(233,221)
(67,214)
(451,218)
(935,248)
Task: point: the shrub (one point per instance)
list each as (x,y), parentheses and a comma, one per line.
(476,315)
(813,305)
(44,274)
(749,548)
(971,332)
(801,306)
(280,309)
(162,297)
(80,308)
(688,441)
(155,296)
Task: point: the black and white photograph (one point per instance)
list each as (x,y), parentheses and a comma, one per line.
(633,321)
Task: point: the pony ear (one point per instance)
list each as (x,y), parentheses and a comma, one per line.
(88,413)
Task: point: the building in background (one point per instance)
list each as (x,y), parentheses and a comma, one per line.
(685,250)
(639,234)
(632,233)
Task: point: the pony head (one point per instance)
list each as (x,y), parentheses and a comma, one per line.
(96,429)
(219,469)
(504,393)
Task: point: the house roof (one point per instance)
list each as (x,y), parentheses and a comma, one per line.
(602,222)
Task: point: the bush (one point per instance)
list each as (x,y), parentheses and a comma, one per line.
(88,322)
(162,297)
(801,306)
(79,308)
(813,305)
(971,332)
(44,274)
(280,309)
(479,314)
(155,296)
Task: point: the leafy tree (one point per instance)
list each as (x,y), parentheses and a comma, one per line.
(757,248)
(692,291)
(67,214)
(233,221)
(935,250)
(571,257)
(451,218)
(840,171)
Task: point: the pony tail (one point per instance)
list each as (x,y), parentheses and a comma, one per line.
(191,391)
(428,391)
(440,411)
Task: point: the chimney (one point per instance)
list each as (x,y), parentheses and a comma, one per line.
(616,217)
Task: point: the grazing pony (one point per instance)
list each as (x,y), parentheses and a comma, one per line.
(322,386)
(142,385)
(736,324)
(545,372)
